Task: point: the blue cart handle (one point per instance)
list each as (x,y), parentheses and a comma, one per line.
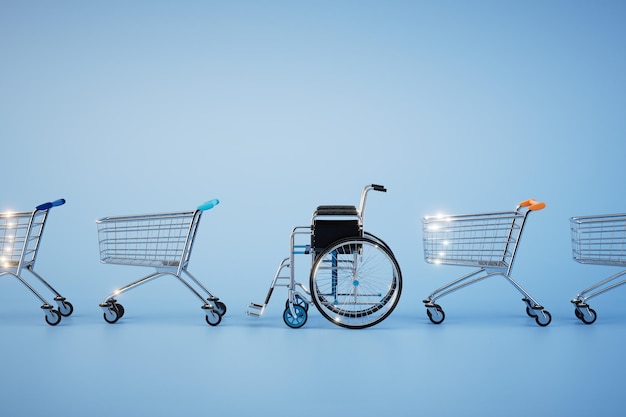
(50,204)
(209,204)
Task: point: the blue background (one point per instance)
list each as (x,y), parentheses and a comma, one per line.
(131,107)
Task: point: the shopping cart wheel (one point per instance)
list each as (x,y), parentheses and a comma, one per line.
(543,318)
(213,318)
(435,314)
(53,317)
(220,308)
(66,308)
(531,312)
(587,315)
(297,321)
(299,301)
(112,313)
(120,310)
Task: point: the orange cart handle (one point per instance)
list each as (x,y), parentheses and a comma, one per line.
(533,205)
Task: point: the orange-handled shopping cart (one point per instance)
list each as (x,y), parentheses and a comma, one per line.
(488,241)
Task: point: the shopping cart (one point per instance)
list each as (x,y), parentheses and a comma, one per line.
(488,241)
(163,241)
(20,236)
(599,240)
(355,280)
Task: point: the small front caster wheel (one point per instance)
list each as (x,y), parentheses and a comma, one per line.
(112,313)
(53,317)
(587,315)
(220,308)
(531,312)
(297,321)
(120,310)
(212,318)
(435,314)
(543,318)
(66,308)
(578,314)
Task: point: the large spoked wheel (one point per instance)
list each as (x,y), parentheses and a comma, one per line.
(356,282)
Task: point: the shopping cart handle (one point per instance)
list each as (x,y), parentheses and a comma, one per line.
(50,204)
(533,204)
(209,204)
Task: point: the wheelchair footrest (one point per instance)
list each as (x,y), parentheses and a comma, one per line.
(258,310)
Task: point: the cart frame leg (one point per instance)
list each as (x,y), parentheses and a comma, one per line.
(46,304)
(207,303)
(534,308)
(581,298)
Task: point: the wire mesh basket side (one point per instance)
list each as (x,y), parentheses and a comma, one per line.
(484,240)
(599,239)
(19,237)
(151,240)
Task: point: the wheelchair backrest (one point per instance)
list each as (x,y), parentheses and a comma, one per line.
(332,223)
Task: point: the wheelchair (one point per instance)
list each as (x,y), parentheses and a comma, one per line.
(355,281)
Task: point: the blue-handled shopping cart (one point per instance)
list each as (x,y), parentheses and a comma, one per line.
(20,238)
(163,241)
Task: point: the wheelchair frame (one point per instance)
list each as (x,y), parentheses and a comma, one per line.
(355,280)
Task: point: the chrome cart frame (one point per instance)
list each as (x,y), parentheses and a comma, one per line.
(598,240)
(355,280)
(20,237)
(488,241)
(163,241)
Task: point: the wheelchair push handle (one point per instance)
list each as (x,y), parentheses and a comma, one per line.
(375,187)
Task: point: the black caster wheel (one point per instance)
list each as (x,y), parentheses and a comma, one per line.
(213,318)
(438,316)
(53,317)
(543,318)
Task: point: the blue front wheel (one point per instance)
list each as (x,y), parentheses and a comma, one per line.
(297,321)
